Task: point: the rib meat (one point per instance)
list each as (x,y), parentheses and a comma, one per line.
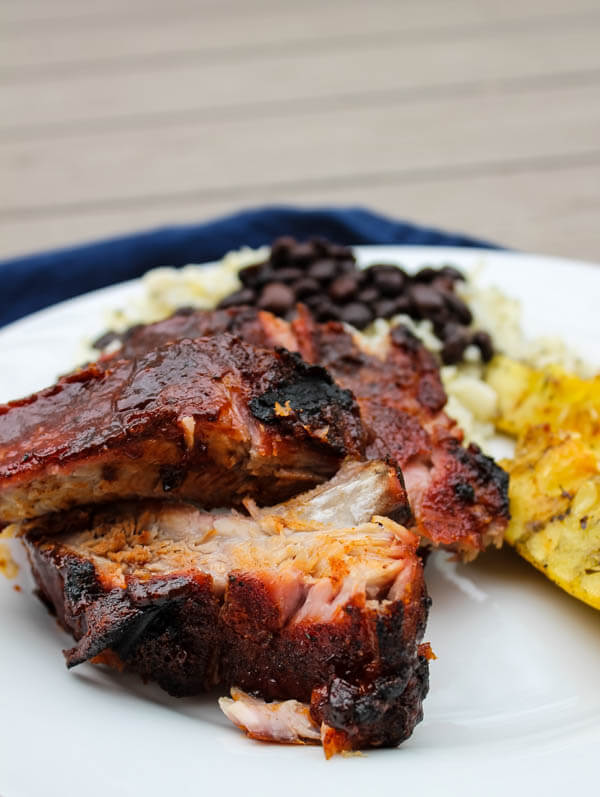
(212,420)
(254,326)
(459,496)
(319,601)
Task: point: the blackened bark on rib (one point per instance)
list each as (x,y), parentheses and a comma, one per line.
(360,672)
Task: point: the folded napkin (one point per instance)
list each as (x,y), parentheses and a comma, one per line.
(36,281)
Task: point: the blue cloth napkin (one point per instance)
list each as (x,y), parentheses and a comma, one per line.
(36,281)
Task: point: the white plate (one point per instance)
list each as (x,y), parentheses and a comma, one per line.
(515,697)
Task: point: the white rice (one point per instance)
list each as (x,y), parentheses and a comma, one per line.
(166,289)
(500,315)
(471,401)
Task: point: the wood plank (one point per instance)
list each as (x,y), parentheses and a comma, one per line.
(299,106)
(25,15)
(473,114)
(554,210)
(188,32)
(29,16)
(156,96)
(207,161)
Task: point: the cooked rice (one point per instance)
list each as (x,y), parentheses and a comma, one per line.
(166,289)
(500,315)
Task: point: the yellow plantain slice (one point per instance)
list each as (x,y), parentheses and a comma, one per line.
(555,506)
(528,397)
(555,473)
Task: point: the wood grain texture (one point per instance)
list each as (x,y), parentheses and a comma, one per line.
(469,114)
(551,209)
(197,32)
(35,15)
(152,94)
(343,144)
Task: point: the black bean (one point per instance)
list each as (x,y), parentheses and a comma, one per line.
(384,268)
(458,308)
(349,267)
(404,305)
(484,343)
(341,252)
(326,311)
(369,273)
(281,248)
(323,270)
(427,274)
(443,283)
(368,295)
(264,276)
(440,320)
(452,272)
(288,274)
(426,299)
(276,297)
(451,328)
(378,271)
(343,288)
(314,300)
(305,287)
(357,314)
(302,254)
(250,275)
(320,245)
(390,283)
(439,328)
(385,308)
(454,346)
(243,296)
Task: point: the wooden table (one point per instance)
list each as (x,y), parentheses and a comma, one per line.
(472,115)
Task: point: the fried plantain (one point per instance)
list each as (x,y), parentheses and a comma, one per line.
(555,473)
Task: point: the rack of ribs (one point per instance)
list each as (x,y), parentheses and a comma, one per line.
(316,606)
(459,497)
(213,420)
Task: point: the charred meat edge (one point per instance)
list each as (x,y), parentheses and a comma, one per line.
(339,633)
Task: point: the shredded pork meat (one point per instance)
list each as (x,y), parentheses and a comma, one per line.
(285,603)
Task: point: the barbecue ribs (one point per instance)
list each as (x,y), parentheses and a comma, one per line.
(317,604)
(459,497)
(213,420)
(257,327)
